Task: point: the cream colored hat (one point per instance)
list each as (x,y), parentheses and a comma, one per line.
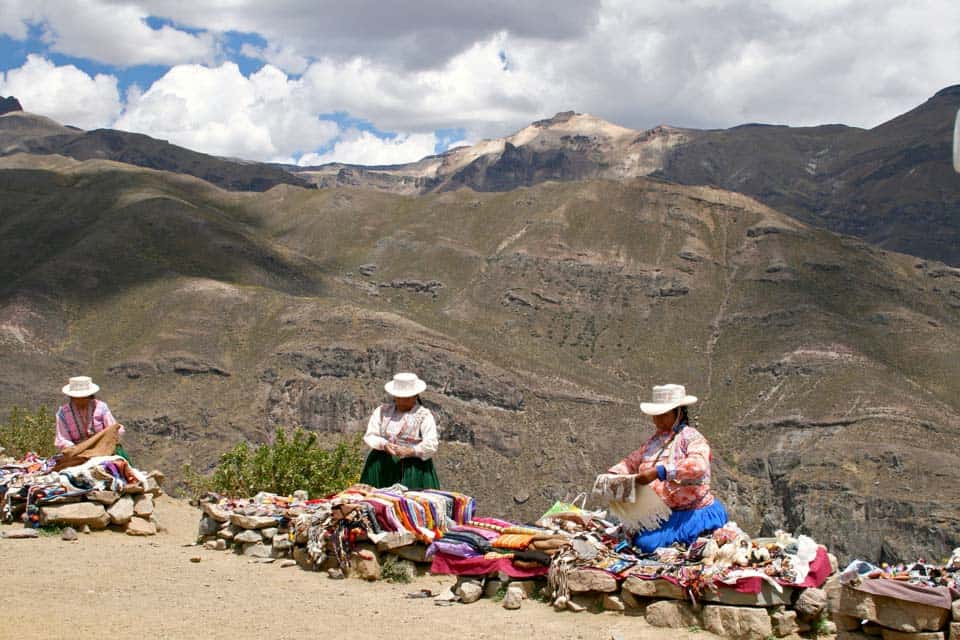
(665,398)
(80,387)
(405,385)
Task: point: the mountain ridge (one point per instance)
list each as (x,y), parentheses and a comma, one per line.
(537,316)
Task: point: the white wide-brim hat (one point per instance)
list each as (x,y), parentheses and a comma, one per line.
(667,397)
(80,387)
(405,385)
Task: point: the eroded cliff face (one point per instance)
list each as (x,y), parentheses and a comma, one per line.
(826,368)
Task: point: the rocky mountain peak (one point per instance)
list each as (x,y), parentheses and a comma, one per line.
(9,105)
(561,117)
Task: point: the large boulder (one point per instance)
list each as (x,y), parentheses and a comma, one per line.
(954,630)
(76,514)
(811,604)
(738,623)
(513,599)
(586,580)
(469,591)
(121,511)
(672,614)
(365,565)
(893,613)
(784,623)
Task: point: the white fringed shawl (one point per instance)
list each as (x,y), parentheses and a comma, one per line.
(639,508)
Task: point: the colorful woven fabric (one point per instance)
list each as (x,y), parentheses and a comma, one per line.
(517,541)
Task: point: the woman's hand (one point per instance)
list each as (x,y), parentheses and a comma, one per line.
(647,476)
(405,452)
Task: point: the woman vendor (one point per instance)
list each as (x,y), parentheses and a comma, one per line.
(402,436)
(84,415)
(675,463)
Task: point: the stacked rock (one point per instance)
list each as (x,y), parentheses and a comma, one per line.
(246,532)
(131,510)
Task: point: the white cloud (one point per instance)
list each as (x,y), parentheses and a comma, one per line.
(281,57)
(218,110)
(362,147)
(108,32)
(65,93)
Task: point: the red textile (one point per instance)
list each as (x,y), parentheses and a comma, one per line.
(818,574)
(480,566)
(931,596)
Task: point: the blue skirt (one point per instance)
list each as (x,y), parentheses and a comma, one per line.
(683,526)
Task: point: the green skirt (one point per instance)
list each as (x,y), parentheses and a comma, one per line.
(383,470)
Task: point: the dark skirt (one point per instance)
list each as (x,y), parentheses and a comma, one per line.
(683,526)
(383,470)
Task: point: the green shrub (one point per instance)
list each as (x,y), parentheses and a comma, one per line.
(24,432)
(396,570)
(291,462)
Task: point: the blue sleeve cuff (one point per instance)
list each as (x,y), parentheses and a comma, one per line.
(661,472)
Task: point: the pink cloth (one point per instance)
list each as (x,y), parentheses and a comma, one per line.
(818,574)
(940,597)
(481,566)
(686,462)
(70,433)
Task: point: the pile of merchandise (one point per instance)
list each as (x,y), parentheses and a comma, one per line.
(920,598)
(101,492)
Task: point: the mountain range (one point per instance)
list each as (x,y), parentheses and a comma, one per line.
(538,313)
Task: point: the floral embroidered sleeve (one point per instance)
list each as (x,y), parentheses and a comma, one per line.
(428,438)
(372,437)
(693,463)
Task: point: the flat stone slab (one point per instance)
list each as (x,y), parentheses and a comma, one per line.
(890,634)
(214,511)
(76,515)
(21,534)
(893,613)
(252,522)
(394,540)
(141,527)
(412,552)
(654,588)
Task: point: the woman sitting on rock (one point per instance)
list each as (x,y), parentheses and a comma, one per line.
(675,463)
(84,415)
(402,436)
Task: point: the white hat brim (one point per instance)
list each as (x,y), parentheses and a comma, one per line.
(93,391)
(419,388)
(659,408)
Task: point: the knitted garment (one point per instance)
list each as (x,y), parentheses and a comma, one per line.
(639,508)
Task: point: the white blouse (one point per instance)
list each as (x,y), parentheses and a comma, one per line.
(400,428)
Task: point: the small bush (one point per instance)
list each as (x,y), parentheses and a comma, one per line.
(25,432)
(289,463)
(395,569)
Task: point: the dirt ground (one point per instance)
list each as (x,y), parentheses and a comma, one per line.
(108,583)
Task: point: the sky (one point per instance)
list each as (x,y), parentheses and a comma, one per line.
(373,82)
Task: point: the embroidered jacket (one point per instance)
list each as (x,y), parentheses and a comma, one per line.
(683,467)
(70,433)
(416,429)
